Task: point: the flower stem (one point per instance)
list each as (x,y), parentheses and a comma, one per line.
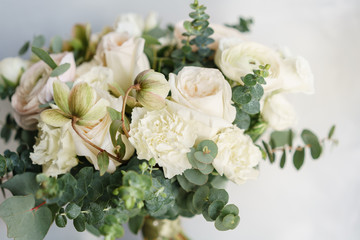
(137,87)
(73,124)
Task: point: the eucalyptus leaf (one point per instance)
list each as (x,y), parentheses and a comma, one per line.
(298,158)
(38,41)
(195,176)
(44,56)
(331,132)
(24,48)
(312,141)
(60,70)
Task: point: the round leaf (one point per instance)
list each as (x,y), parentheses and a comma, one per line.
(195,176)
(72,210)
(215,209)
(298,158)
(200,197)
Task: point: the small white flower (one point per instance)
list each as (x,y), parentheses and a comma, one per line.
(11,69)
(54,150)
(131,24)
(164,136)
(278,112)
(237,155)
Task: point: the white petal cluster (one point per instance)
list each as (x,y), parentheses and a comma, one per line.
(164,136)
(54,150)
(237,155)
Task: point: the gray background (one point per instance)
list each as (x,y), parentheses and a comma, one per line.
(319,202)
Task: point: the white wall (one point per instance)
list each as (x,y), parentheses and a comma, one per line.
(319,202)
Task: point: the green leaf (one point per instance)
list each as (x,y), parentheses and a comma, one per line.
(312,140)
(60,221)
(24,48)
(22,184)
(60,70)
(22,222)
(298,158)
(208,147)
(257,91)
(96,213)
(72,210)
(114,115)
(56,44)
(242,119)
(281,138)
(283,159)
(250,80)
(114,127)
(207,169)
(103,162)
(184,183)
(200,198)
(331,132)
(240,95)
(150,40)
(195,176)
(203,157)
(215,208)
(191,158)
(3,168)
(43,55)
(136,223)
(80,223)
(38,41)
(269,152)
(218,195)
(251,107)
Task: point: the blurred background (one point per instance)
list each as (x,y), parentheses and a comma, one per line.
(322,200)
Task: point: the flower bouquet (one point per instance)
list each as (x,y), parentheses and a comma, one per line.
(141,124)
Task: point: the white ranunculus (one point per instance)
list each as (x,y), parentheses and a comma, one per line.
(124,55)
(164,136)
(220,32)
(54,150)
(236,58)
(12,68)
(131,24)
(237,155)
(278,112)
(204,90)
(296,74)
(35,90)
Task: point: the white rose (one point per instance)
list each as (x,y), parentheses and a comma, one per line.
(54,150)
(220,32)
(236,58)
(34,89)
(237,155)
(124,56)
(204,90)
(12,68)
(131,24)
(296,74)
(278,112)
(164,136)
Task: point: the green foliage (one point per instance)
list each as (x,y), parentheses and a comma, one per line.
(44,56)
(246,100)
(24,48)
(38,41)
(56,44)
(298,158)
(72,210)
(35,223)
(243,25)
(60,70)
(103,162)
(136,223)
(312,141)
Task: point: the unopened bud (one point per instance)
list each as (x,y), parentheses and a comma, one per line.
(153,89)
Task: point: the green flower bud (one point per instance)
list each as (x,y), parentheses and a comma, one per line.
(153,89)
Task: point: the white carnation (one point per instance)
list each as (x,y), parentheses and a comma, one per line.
(54,150)
(237,155)
(164,136)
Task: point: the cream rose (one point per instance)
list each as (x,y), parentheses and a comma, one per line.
(296,74)
(220,31)
(35,89)
(278,112)
(164,136)
(236,58)
(124,55)
(54,150)
(204,90)
(237,155)
(12,68)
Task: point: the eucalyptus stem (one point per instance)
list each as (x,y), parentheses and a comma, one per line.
(137,87)
(300,147)
(73,124)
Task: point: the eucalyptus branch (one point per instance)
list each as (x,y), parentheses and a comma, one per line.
(73,124)
(299,148)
